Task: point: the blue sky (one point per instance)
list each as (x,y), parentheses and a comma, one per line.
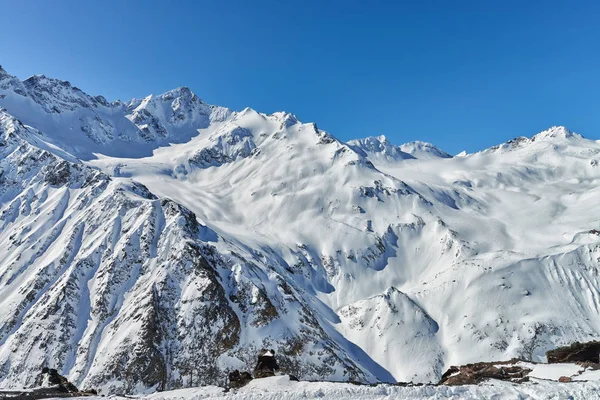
(460,74)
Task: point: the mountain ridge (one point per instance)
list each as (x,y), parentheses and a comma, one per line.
(35,81)
(135,231)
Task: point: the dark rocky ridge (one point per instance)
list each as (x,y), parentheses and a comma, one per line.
(577,352)
(585,355)
(472,374)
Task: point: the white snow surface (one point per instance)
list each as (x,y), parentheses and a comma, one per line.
(281,388)
(371,261)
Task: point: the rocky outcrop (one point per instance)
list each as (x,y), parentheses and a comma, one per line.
(238,379)
(472,374)
(51,377)
(582,352)
(51,384)
(266,364)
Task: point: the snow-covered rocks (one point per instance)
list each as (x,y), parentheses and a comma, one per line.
(556,132)
(380,148)
(423,150)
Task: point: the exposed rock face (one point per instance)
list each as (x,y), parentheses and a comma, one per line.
(226,146)
(51,377)
(238,379)
(50,384)
(472,374)
(589,352)
(266,364)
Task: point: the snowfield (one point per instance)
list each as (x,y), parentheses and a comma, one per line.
(159,243)
(281,388)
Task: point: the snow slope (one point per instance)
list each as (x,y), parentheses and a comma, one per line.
(281,388)
(191,232)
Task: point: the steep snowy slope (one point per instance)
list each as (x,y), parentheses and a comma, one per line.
(363,260)
(460,244)
(120,290)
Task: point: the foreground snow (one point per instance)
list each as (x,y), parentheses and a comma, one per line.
(281,388)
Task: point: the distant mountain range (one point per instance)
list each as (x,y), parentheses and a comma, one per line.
(158,243)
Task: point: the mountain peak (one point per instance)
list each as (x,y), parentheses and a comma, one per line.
(553,134)
(183,92)
(556,132)
(44,81)
(423,150)
(378,148)
(55,95)
(288,118)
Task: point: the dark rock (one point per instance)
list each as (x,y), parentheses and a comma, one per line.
(238,379)
(452,370)
(54,378)
(44,393)
(58,175)
(472,374)
(266,364)
(589,352)
(564,379)
(263,373)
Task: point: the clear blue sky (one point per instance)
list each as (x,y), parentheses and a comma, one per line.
(461,74)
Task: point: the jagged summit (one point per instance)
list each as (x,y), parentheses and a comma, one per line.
(424,150)
(378,149)
(43,80)
(87,125)
(288,119)
(182,92)
(57,96)
(556,132)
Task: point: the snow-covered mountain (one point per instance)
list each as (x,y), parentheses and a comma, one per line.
(423,150)
(157,243)
(380,148)
(380,151)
